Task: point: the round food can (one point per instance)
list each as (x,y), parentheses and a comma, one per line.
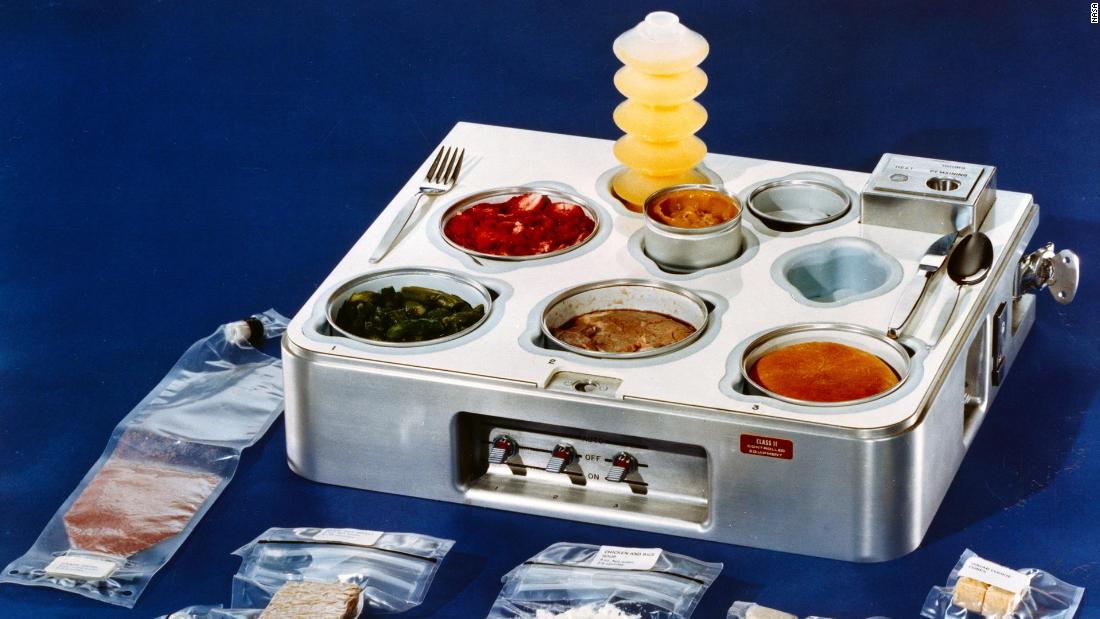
(873,344)
(451,289)
(552,221)
(674,307)
(691,227)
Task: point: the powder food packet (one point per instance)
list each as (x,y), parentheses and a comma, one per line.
(165,464)
(583,581)
(588,611)
(294,567)
(977,587)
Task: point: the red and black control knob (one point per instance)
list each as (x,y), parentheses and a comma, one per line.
(502,448)
(563,455)
(622,464)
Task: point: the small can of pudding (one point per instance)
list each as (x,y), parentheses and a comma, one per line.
(692,227)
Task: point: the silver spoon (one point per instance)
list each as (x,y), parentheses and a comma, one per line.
(968,265)
(971,259)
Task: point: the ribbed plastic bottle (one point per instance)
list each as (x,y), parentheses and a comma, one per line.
(660,116)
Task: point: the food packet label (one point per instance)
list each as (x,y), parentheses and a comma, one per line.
(82,567)
(355,537)
(995,575)
(619,558)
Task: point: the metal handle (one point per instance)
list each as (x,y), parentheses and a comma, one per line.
(908,304)
(930,315)
(1058,272)
(942,325)
(399,222)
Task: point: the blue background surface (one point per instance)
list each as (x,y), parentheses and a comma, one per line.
(166,167)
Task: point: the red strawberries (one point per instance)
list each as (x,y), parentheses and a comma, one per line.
(525,225)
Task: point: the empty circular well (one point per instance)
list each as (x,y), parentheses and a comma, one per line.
(793,204)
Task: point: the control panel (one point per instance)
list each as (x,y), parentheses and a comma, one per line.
(569,466)
(931,195)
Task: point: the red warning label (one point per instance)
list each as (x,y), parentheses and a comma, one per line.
(767,446)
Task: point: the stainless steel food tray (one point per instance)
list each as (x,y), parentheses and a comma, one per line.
(857,482)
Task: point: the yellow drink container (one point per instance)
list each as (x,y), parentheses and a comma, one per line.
(660,117)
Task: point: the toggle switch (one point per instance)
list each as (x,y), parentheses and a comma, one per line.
(622,464)
(563,455)
(503,447)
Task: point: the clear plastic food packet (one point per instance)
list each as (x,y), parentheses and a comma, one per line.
(980,588)
(391,570)
(165,464)
(213,612)
(581,581)
(751,610)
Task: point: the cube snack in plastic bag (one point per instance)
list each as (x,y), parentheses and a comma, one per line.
(980,588)
(584,581)
(165,464)
(297,567)
(752,610)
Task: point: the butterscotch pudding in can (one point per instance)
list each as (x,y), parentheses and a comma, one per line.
(691,227)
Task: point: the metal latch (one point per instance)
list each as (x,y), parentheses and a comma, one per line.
(1043,268)
(602,386)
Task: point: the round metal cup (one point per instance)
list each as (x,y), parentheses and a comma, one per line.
(635,294)
(862,338)
(793,204)
(688,249)
(503,194)
(446,281)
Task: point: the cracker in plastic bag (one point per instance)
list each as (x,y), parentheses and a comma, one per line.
(315,600)
(392,570)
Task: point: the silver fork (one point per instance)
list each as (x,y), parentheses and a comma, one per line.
(439,180)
